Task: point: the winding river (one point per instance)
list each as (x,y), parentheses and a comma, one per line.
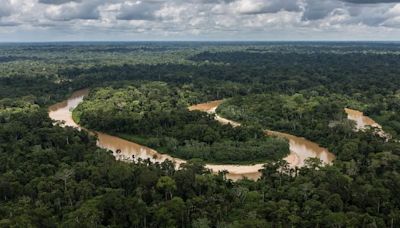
(300,148)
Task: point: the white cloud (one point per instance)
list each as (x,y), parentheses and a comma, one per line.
(57,2)
(261,6)
(213,19)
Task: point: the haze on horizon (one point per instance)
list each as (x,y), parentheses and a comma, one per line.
(237,20)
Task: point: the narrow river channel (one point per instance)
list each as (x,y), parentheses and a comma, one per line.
(300,148)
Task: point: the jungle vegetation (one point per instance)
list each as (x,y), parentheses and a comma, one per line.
(156,114)
(56,177)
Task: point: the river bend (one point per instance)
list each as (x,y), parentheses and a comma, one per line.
(300,148)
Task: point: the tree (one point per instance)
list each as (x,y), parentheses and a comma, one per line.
(201,223)
(64,175)
(335,203)
(86,215)
(166,184)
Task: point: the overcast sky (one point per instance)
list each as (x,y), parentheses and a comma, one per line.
(103,20)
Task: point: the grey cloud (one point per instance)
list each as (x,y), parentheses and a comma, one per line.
(371,1)
(57,2)
(5,9)
(361,11)
(139,11)
(8,23)
(212,1)
(319,9)
(371,16)
(86,11)
(4,12)
(374,21)
(191,18)
(393,23)
(286,5)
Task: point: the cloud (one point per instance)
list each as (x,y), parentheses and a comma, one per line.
(57,2)
(6,9)
(85,11)
(371,1)
(139,10)
(8,24)
(261,6)
(372,16)
(216,19)
(319,9)
(348,11)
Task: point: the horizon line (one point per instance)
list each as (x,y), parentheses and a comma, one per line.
(200,41)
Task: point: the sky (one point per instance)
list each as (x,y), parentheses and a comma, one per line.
(198,20)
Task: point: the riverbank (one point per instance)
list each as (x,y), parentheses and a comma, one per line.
(152,114)
(127,151)
(300,149)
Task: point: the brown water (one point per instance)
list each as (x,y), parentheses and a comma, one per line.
(363,122)
(62,112)
(300,148)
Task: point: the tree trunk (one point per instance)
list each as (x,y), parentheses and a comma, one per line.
(379,206)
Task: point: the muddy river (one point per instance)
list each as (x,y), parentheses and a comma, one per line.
(300,148)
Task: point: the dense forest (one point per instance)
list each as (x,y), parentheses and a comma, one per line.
(52,176)
(157,115)
(320,118)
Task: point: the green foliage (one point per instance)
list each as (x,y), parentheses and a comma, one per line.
(156,115)
(57,177)
(320,118)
